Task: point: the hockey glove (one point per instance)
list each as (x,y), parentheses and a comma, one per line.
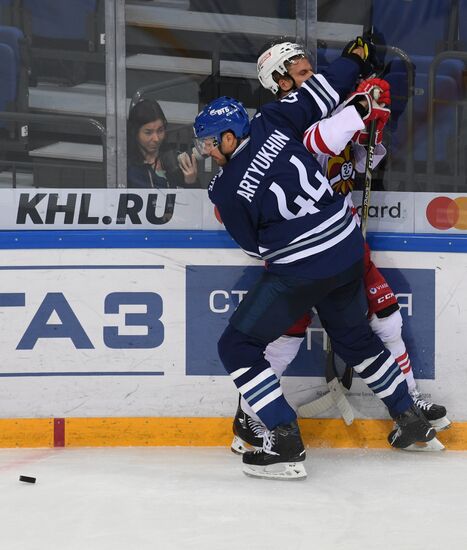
(379,89)
(369,109)
(364,59)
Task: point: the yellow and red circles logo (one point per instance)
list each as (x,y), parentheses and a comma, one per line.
(446,213)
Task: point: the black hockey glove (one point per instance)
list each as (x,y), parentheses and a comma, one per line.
(367,61)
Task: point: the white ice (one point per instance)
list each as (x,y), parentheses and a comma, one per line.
(198,498)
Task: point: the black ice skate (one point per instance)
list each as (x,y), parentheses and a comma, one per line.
(281,457)
(414,433)
(435,414)
(248,433)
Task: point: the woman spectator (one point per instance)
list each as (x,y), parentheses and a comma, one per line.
(151,161)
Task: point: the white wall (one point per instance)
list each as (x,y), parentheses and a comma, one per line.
(78,279)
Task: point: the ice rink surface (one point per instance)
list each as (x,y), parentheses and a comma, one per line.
(183,498)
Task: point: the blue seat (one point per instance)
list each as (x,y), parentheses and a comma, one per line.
(422,31)
(416,26)
(325,56)
(8,80)
(448,67)
(13,37)
(59,19)
(444,122)
(7,76)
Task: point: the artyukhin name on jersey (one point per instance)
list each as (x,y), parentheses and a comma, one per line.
(273,197)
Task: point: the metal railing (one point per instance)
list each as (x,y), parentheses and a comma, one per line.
(52,119)
(56,119)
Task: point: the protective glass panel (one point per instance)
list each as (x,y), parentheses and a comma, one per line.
(183,54)
(52,97)
(420,184)
(56,130)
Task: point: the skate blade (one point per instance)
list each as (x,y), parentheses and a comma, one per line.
(434,445)
(239,447)
(441,424)
(286,471)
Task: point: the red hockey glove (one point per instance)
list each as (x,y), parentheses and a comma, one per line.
(379,89)
(381,115)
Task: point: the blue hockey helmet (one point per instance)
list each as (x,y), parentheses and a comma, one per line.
(219,116)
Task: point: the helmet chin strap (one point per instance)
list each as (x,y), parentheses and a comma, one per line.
(293,87)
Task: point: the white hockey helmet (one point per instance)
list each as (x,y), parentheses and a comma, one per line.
(274,59)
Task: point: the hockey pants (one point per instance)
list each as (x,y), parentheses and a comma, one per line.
(272,306)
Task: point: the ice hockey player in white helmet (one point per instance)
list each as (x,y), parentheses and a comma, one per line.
(277,60)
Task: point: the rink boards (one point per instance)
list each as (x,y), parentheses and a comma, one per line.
(118,346)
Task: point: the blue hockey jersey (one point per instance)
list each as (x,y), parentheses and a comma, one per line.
(272,196)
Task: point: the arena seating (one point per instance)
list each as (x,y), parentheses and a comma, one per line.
(13,37)
(167,40)
(423,30)
(445,117)
(70,20)
(8,77)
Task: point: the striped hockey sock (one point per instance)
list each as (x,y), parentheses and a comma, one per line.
(262,390)
(384,377)
(404,363)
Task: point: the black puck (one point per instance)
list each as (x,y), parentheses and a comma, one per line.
(27,479)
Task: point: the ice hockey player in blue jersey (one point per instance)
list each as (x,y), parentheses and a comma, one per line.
(282,68)
(277,205)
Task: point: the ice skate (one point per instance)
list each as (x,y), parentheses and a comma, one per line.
(247,433)
(435,414)
(414,433)
(281,456)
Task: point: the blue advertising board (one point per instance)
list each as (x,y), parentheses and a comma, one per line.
(213,293)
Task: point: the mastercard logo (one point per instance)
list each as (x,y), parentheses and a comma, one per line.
(446,213)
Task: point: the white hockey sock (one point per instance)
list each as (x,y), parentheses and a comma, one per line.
(389,329)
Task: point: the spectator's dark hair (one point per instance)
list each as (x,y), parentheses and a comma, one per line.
(145,111)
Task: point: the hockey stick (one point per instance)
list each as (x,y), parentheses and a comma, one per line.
(336,387)
(368,177)
(348,374)
(336,395)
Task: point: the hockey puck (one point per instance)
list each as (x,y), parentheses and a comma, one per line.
(27,479)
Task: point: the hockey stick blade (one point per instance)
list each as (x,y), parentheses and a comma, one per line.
(335,386)
(335,397)
(341,401)
(316,407)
